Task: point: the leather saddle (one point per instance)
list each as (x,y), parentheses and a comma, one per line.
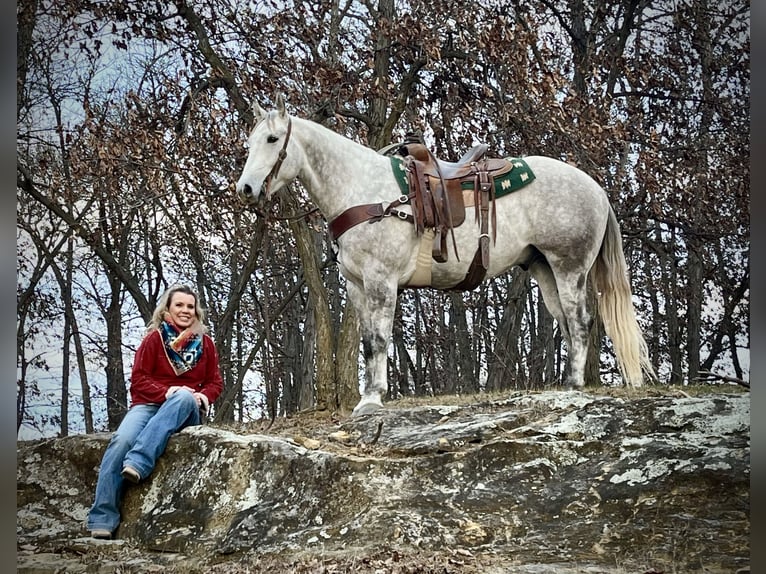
(439,188)
(439,192)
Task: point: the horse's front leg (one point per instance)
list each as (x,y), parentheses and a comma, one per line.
(375,307)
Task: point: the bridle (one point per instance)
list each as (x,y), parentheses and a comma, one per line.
(274,172)
(282,155)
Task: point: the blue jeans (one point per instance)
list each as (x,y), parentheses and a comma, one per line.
(138,442)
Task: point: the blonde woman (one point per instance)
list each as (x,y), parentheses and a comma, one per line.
(175,378)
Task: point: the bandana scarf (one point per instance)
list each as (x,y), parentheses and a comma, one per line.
(182,349)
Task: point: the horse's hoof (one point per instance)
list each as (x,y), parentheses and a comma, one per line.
(365,409)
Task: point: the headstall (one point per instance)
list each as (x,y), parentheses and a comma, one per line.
(282,155)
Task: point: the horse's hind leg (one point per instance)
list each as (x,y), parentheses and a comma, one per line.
(565,296)
(375,307)
(572,288)
(543,275)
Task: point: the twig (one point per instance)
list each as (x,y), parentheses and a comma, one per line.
(727,378)
(377,433)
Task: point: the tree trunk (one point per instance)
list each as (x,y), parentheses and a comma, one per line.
(326,393)
(694,310)
(305,374)
(582,46)
(420,355)
(398,385)
(116,393)
(504,365)
(66,358)
(347,360)
(669,265)
(592,375)
(653,290)
(542,351)
(70,327)
(87,407)
(704,188)
(461,343)
(25,25)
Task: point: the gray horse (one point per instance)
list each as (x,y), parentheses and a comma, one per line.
(560,227)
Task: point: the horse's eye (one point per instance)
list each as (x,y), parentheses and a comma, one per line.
(272,139)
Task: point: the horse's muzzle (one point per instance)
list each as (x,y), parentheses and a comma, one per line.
(247,194)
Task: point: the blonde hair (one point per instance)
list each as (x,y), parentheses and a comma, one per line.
(163,306)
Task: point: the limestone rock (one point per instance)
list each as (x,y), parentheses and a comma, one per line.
(555,477)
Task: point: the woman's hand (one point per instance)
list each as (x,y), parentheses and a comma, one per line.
(202,401)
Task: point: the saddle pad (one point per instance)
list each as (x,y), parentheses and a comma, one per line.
(518,177)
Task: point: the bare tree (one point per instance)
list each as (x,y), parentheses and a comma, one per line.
(652,102)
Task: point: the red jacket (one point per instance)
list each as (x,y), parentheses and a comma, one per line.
(153,374)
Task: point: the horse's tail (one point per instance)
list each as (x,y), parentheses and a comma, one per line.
(615,305)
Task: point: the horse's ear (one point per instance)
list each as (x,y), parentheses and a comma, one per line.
(281,106)
(258,112)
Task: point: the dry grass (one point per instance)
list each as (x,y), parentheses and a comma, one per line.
(312,422)
(621,392)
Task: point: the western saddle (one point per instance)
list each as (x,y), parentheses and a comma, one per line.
(439,192)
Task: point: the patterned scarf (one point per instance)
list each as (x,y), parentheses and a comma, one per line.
(182,349)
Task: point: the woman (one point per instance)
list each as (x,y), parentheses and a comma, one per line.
(175,379)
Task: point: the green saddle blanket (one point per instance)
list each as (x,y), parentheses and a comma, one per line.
(518,177)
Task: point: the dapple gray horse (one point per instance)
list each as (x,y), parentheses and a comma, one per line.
(560,227)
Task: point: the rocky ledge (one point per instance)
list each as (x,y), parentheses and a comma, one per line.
(555,481)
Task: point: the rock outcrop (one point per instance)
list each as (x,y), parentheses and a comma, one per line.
(539,482)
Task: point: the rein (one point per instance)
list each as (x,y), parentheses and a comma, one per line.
(282,155)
